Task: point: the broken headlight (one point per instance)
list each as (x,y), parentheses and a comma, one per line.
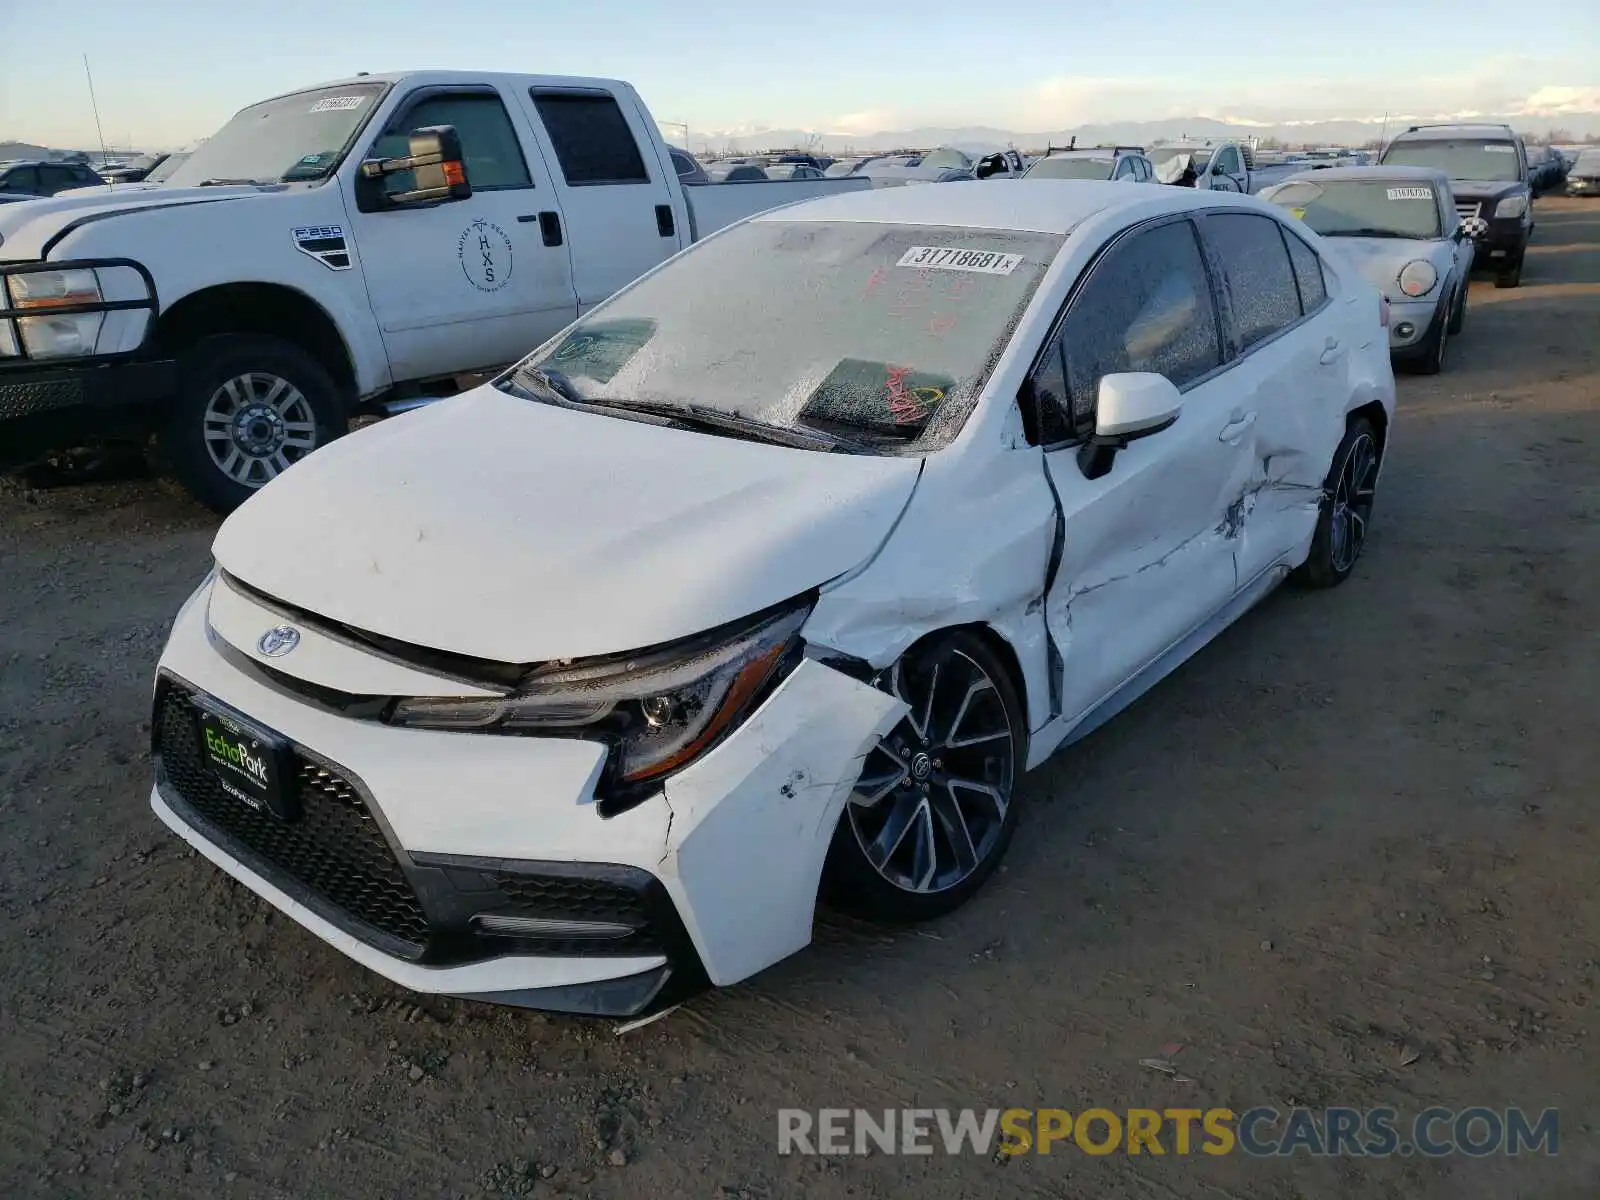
(657,709)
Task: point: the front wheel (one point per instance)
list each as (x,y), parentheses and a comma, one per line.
(1346,512)
(249,407)
(1510,275)
(1458,314)
(932,812)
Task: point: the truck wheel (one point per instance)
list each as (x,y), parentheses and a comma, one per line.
(249,407)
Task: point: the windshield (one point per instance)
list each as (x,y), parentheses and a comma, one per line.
(166,169)
(946,158)
(292,138)
(1368,208)
(1072,168)
(883,334)
(1588,160)
(1477,159)
(1165,154)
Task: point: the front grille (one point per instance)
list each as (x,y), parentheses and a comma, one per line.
(1467,209)
(335,851)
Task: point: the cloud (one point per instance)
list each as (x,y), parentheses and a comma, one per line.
(1560,101)
(869,120)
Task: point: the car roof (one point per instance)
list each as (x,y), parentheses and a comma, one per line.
(1027,205)
(1500,133)
(1391,171)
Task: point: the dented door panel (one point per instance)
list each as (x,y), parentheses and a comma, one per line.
(1146,556)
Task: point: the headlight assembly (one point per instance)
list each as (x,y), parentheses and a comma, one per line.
(1511,206)
(657,710)
(61,312)
(1417,278)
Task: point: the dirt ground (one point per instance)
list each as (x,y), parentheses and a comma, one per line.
(1349,855)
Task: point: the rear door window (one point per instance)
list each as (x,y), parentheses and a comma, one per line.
(1307,273)
(592,140)
(21,179)
(1260,279)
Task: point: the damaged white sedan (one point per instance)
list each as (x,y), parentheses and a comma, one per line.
(765,582)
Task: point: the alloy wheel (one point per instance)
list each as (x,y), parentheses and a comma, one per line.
(256,426)
(1353,497)
(931,802)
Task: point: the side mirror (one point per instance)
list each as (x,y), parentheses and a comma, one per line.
(1129,406)
(438,173)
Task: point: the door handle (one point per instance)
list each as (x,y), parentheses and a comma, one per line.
(1331,352)
(1235,429)
(550,227)
(665,225)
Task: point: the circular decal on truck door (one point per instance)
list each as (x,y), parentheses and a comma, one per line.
(485,254)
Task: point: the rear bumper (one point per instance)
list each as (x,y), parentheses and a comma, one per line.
(52,408)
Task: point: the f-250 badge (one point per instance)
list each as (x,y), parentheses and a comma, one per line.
(485,254)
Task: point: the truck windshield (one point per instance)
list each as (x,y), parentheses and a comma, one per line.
(947,158)
(882,334)
(1476,159)
(1397,208)
(291,138)
(1072,168)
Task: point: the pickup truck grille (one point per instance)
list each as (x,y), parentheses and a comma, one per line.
(1467,209)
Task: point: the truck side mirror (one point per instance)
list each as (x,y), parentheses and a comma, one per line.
(438,173)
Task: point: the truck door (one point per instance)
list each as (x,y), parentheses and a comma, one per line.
(1227,170)
(474,283)
(612,184)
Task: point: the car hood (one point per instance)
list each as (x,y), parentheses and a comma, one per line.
(26,229)
(1379,260)
(1485,189)
(512,530)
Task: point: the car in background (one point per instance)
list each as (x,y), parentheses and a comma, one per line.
(133,172)
(1119,163)
(792,170)
(842,167)
(687,166)
(1493,187)
(32,178)
(1549,168)
(736,172)
(1583,179)
(1398,227)
(943,549)
(1217,166)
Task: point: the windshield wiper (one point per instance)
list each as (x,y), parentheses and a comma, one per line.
(235,182)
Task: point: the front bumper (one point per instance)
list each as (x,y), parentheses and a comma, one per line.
(1580,186)
(718,873)
(45,408)
(1412,322)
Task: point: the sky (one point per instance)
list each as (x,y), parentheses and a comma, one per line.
(169,71)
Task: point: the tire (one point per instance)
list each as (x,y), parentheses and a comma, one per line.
(975,726)
(1510,276)
(232,428)
(1347,502)
(1458,314)
(1431,360)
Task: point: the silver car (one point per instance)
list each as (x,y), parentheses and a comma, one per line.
(1398,227)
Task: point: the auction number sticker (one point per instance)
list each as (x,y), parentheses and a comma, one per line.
(338,103)
(1410,194)
(1498,148)
(955,258)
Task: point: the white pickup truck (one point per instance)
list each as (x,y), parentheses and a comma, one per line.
(1216,166)
(345,249)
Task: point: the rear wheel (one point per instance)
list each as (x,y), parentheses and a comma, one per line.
(1347,502)
(932,813)
(249,407)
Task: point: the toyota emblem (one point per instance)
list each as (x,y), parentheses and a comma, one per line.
(278,641)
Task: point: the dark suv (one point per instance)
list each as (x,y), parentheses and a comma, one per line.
(1488,170)
(44,178)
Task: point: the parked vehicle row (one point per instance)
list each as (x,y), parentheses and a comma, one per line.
(1583,178)
(939,480)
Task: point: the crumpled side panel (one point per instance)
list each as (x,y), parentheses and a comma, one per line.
(751,821)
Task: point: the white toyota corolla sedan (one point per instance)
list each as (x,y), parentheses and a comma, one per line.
(765,582)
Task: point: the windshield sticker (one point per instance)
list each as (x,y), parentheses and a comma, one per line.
(957,258)
(485,254)
(600,350)
(876,397)
(1410,194)
(1496,148)
(1299,214)
(338,103)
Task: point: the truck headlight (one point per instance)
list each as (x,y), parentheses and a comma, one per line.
(1417,278)
(657,710)
(48,308)
(1511,206)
